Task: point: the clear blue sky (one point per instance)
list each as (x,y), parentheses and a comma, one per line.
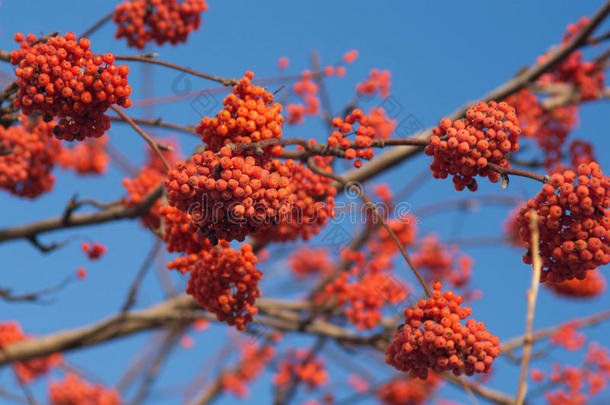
(441,55)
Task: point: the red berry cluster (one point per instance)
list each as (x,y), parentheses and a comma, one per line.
(440,262)
(305,262)
(63,78)
(512,228)
(549,128)
(365,133)
(307,91)
(180,233)
(568,336)
(150,177)
(574,223)
(377,81)
(464,148)
(576,385)
(254,358)
(298,365)
(366,296)
(224,281)
(593,285)
(405,229)
(87,157)
(382,124)
(587,77)
(74,391)
(230,196)
(433,339)
(312,203)
(410,391)
(143,21)
(581,152)
(28,370)
(28,153)
(93,250)
(249,115)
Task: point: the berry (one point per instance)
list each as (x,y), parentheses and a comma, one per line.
(29,154)
(28,370)
(297,365)
(143,21)
(434,339)
(87,157)
(593,285)
(223,281)
(377,81)
(490,131)
(574,223)
(74,391)
(93,251)
(61,78)
(249,115)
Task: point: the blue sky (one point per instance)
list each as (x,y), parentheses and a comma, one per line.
(441,54)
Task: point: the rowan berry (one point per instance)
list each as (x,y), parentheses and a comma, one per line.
(143,21)
(94,250)
(297,364)
(471,349)
(28,153)
(223,281)
(28,370)
(60,79)
(377,81)
(573,222)
(74,391)
(464,148)
(86,157)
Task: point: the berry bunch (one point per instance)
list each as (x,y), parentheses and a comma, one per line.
(439,262)
(382,124)
(74,391)
(574,223)
(150,177)
(312,203)
(229,196)
(254,358)
(365,133)
(433,339)
(581,152)
(306,262)
(180,233)
(10,332)
(366,296)
(568,336)
(405,229)
(587,77)
(377,81)
(408,391)
(464,148)
(593,285)
(63,78)
(549,128)
(143,21)
(249,115)
(87,157)
(28,152)
(94,250)
(224,281)
(298,365)
(307,91)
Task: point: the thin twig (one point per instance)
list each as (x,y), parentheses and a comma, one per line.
(532,294)
(143,58)
(153,144)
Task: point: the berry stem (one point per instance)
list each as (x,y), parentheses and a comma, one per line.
(147,59)
(517,172)
(367,201)
(153,144)
(158,123)
(532,294)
